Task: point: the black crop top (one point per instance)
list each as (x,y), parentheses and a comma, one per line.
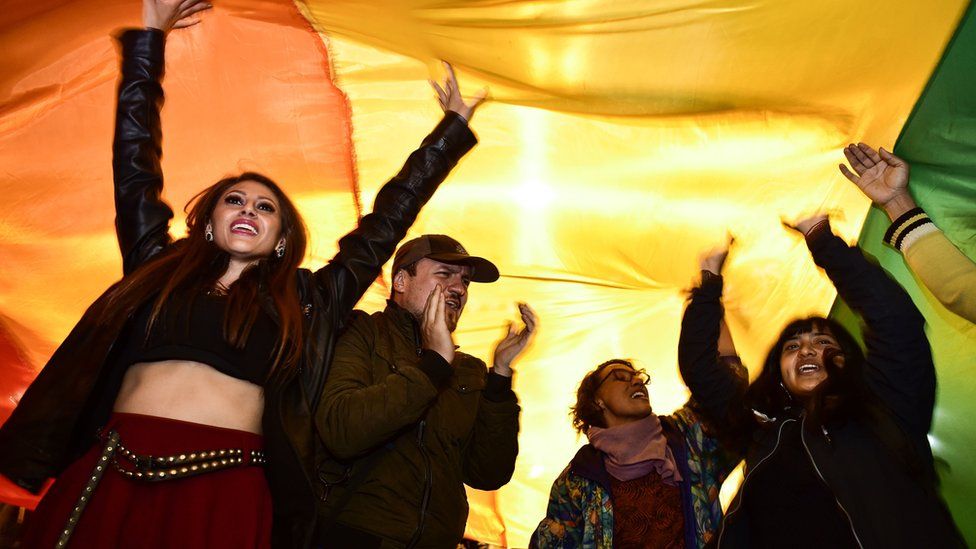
(197,334)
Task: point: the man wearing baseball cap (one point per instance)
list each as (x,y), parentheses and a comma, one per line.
(408,418)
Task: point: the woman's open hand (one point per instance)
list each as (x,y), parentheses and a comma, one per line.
(449,96)
(713,259)
(167,15)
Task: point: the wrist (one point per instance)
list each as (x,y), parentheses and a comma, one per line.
(715,270)
(816,231)
(152,21)
(899,205)
(463,114)
(502,370)
(446,354)
(708,276)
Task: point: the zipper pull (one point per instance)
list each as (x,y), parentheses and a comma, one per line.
(420,432)
(826,435)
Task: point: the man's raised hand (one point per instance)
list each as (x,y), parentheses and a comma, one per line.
(434,332)
(515,341)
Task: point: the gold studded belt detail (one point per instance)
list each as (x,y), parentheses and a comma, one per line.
(154,469)
(108,451)
(157,468)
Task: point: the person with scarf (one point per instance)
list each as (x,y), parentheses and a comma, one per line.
(643,480)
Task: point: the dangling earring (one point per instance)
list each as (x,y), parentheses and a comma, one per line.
(208,233)
(280,249)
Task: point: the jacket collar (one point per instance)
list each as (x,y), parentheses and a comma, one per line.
(406,325)
(588,463)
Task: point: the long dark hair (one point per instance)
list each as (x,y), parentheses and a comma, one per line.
(192,265)
(844,392)
(586,412)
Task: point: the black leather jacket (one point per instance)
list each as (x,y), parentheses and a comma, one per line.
(56,420)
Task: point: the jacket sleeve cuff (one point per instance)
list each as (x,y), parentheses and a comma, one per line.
(710,288)
(498,388)
(149,44)
(436,368)
(820,237)
(908,228)
(453,136)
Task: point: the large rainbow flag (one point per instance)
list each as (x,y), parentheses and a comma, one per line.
(622,139)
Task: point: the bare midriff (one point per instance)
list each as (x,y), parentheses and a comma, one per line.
(193,392)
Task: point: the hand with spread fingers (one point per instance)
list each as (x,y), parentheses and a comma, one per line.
(881,176)
(434,332)
(167,15)
(515,341)
(450,99)
(713,260)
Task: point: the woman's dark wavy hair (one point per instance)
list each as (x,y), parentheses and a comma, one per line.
(843,394)
(192,265)
(585,412)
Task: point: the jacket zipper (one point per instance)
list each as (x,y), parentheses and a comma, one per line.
(428,480)
(742,489)
(821,477)
(425,499)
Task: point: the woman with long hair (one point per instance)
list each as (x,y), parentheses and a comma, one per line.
(183,403)
(835,438)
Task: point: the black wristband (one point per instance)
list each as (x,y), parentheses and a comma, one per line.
(498,388)
(436,368)
(710,288)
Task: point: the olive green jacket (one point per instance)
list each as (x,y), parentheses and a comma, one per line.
(408,430)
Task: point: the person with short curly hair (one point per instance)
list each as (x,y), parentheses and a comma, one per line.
(643,480)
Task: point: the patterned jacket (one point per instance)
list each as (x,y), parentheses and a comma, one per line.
(580,512)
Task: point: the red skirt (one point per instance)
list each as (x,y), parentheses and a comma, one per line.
(229,508)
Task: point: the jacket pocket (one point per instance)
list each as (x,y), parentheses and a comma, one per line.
(467,381)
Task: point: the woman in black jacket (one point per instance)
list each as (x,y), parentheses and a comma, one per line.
(836,443)
(205,362)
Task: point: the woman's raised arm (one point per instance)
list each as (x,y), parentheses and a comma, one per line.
(705,349)
(141,217)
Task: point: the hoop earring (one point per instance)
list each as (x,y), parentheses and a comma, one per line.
(280,250)
(208,233)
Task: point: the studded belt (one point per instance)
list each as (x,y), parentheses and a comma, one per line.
(157,468)
(154,469)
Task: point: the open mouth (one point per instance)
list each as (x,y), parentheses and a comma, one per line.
(453,304)
(807,369)
(639,395)
(244,227)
